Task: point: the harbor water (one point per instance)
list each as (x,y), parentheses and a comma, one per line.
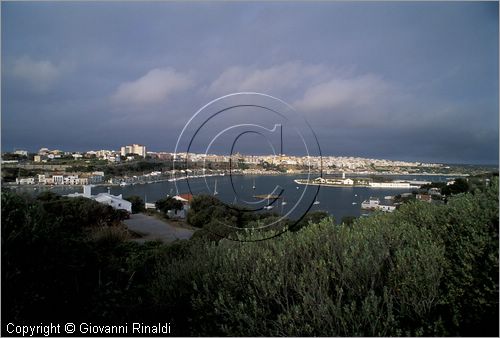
(242,191)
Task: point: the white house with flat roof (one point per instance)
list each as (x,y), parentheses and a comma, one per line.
(115,201)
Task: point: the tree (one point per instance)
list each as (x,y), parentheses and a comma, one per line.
(310,218)
(12,156)
(137,204)
(205,208)
(348,220)
(168,203)
(459,186)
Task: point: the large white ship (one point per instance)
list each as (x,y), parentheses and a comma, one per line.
(390,185)
(347,182)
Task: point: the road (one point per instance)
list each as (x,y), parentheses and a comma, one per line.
(152,228)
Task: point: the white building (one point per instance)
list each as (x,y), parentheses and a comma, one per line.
(71,179)
(43,151)
(372,203)
(137,149)
(386,208)
(27,180)
(115,201)
(21,152)
(58,179)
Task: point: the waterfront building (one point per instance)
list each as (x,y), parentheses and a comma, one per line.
(26,180)
(424,198)
(374,204)
(371,203)
(58,179)
(347,181)
(186,201)
(386,208)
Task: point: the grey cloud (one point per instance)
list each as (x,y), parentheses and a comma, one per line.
(38,75)
(155,86)
(275,79)
(357,92)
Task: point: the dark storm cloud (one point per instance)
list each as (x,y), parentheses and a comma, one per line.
(394,80)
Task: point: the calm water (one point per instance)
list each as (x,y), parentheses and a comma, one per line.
(299,198)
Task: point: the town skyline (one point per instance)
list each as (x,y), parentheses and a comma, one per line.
(102,152)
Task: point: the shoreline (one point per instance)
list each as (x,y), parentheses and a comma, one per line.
(312,173)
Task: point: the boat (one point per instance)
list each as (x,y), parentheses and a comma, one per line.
(283,203)
(123,184)
(253,187)
(268,206)
(354,203)
(215,189)
(316,202)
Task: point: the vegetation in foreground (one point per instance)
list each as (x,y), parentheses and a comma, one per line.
(424,270)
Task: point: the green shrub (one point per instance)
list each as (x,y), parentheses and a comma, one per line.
(322,280)
(137,204)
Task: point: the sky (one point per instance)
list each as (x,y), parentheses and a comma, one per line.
(395,80)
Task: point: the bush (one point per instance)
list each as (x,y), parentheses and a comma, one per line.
(205,208)
(348,220)
(468,228)
(460,186)
(65,259)
(322,280)
(168,203)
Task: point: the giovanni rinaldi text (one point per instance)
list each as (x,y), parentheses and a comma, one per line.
(50,329)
